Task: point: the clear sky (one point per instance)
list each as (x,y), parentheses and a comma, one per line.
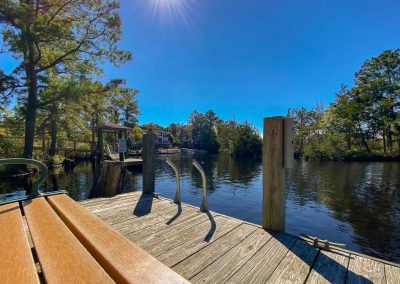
(251,58)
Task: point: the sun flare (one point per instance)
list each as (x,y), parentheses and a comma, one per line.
(171,8)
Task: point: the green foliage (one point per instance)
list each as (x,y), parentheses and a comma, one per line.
(362,121)
(208,132)
(152,128)
(180,135)
(136,138)
(203,128)
(60,39)
(240,140)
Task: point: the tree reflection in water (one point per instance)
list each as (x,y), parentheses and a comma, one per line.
(348,202)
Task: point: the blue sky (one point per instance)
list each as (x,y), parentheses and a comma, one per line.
(251,58)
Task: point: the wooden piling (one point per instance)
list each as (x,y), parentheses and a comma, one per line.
(273,203)
(111,178)
(100,145)
(148,154)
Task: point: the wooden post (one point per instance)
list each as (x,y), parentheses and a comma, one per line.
(148,154)
(273,203)
(121,135)
(110,178)
(100,144)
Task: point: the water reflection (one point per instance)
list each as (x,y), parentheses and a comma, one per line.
(361,199)
(353,203)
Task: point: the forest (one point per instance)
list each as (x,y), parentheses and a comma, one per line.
(56,91)
(363,122)
(209,132)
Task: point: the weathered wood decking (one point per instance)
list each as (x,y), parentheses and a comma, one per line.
(213,248)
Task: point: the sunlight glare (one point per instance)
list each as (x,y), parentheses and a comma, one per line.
(170,8)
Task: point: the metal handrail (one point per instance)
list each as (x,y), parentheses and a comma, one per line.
(177,198)
(36,184)
(203,176)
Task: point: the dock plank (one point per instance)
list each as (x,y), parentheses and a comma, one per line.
(167,244)
(99,209)
(104,209)
(203,258)
(178,227)
(329,267)
(365,270)
(136,212)
(392,274)
(296,265)
(179,253)
(185,220)
(93,203)
(132,225)
(104,200)
(260,267)
(225,266)
(210,248)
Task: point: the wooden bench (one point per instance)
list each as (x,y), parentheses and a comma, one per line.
(17,264)
(72,246)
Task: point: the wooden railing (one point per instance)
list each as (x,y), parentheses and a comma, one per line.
(65,145)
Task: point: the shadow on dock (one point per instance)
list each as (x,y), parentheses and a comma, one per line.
(178,213)
(144,205)
(327,267)
(211,232)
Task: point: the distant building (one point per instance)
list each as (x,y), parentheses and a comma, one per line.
(161,134)
(162,140)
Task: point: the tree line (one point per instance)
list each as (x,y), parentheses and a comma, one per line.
(208,132)
(362,122)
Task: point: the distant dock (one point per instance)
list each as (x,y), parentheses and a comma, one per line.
(214,248)
(133,162)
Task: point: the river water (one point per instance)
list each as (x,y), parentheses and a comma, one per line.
(354,203)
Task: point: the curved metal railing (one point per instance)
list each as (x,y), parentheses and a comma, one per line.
(36,184)
(177,198)
(203,206)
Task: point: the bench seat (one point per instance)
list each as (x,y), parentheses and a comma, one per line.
(72,246)
(62,257)
(17,265)
(124,261)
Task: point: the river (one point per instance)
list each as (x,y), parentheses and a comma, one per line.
(355,203)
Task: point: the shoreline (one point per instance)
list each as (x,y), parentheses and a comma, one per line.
(367,158)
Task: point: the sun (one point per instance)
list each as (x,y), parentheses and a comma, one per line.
(171,8)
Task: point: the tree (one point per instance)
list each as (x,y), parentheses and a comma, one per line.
(362,121)
(239,139)
(46,36)
(203,128)
(152,128)
(303,122)
(247,141)
(225,135)
(136,136)
(377,87)
(126,107)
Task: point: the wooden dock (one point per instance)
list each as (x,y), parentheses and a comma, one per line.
(214,248)
(133,162)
